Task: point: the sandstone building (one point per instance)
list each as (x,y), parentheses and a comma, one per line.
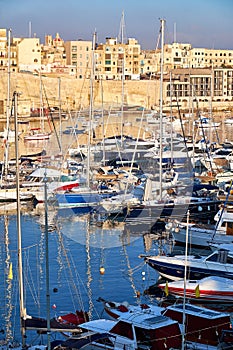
(190,74)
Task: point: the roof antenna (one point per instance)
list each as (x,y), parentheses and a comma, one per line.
(30,29)
(174,33)
(122,33)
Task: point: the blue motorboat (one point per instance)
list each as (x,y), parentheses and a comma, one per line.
(218,263)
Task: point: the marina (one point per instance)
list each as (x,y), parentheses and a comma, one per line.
(116,176)
(92,210)
(93,250)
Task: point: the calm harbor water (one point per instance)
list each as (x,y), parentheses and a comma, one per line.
(77,250)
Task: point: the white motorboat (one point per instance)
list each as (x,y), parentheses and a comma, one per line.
(135,331)
(214,289)
(203,235)
(203,327)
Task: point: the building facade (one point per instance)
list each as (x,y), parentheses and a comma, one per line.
(206,86)
(117,61)
(78,56)
(201,74)
(28,51)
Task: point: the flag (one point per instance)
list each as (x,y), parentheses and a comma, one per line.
(166,289)
(197,291)
(10,272)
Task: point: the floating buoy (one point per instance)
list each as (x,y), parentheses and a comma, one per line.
(102,270)
(54,306)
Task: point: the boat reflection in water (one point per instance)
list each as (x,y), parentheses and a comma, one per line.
(107,234)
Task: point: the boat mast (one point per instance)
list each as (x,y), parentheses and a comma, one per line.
(23,312)
(8,103)
(185,280)
(161,109)
(92,77)
(171,119)
(103,124)
(60,119)
(121,39)
(47,263)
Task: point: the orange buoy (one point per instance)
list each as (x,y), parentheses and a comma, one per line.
(102,270)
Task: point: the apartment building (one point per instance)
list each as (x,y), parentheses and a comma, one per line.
(205,86)
(78,56)
(149,63)
(5,39)
(116,60)
(180,55)
(3,49)
(28,51)
(210,57)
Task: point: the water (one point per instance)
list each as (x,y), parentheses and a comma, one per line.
(78,249)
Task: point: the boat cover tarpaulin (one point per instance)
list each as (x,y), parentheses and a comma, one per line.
(78,343)
(77,318)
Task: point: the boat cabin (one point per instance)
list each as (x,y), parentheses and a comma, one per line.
(224,219)
(153,332)
(203,324)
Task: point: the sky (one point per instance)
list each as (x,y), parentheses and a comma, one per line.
(202,23)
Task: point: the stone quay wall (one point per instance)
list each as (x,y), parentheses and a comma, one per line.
(73,94)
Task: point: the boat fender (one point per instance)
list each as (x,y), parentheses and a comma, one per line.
(168,226)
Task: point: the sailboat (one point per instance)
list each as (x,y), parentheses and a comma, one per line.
(84,199)
(38,134)
(28,322)
(8,192)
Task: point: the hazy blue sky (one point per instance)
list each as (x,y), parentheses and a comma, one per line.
(203,23)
